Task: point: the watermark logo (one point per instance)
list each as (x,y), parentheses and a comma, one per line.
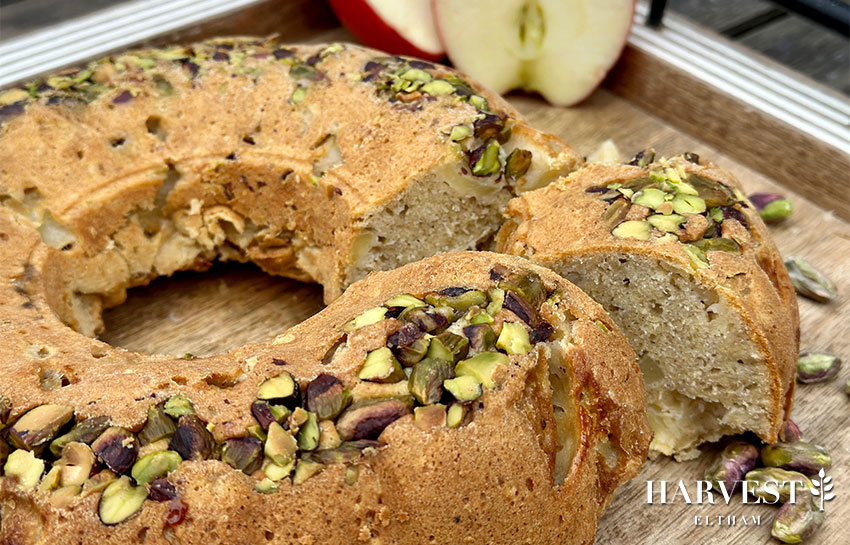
(821,488)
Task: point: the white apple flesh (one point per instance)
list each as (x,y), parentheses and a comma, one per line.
(559,48)
(404,27)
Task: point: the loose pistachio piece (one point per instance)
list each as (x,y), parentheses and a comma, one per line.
(306,469)
(177,406)
(633,229)
(120,501)
(513,339)
(796,522)
(688,204)
(381,366)
(464,389)
(801,456)
(243,453)
(488,164)
(368,420)
(791,432)
(116,448)
(328,436)
(83,432)
(404,300)
(448,347)
(616,212)
(280,445)
(327,396)
(483,367)
(39,426)
(771,207)
(282,390)
(409,344)
(277,472)
(736,460)
(157,427)
(192,440)
(817,367)
(430,416)
(459,299)
(76,464)
(481,337)
(459,132)
(23,465)
(367,317)
(456,414)
(773,484)
(155,466)
(308,435)
(426,379)
(517,163)
(809,282)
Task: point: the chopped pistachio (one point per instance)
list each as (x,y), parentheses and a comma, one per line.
(479,102)
(649,197)
(697,256)
(308,434)
(281,389)
(75,464)
(25,466)
(381,366)
(39,426)
(121,500)
(459,132)
(404,300)
(178,406)
(497,299)
(116,448)
(328,436)
(298,95)
(514,339)
(438,87)
(266,486)
(456,414)
(638,230)
(306,469)
(449,347)
(464,388)
(367,317)
(669,224)
(368,420)
(430,416)
(481,337)
(243,453)
(688,204)
(155,465)
(327,396)
(158,426)
(192,439)
(275,472)
(280,446)
(517,163)
(483,367)
(83,432)
(426,380)
(488,163)
(459,299)
(415,74)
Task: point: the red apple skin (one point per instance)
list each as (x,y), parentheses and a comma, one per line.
(367,26)
(435,10)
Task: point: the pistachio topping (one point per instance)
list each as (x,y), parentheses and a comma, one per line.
(243,453)
(178,406)
(83,432)
(483,367)
(192,440)
(426,380)
(120,501)
(116,448)
(326,396)
(39,426)
(464,388)
(381,366)
(155,466)
(23,465)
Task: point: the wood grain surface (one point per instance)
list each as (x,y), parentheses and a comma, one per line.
(235,304)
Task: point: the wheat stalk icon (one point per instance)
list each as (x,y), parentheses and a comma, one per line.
(822,488)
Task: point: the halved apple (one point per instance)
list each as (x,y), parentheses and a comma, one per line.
(559,48)
(400,27)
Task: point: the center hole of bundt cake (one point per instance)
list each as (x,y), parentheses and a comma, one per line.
(201,314)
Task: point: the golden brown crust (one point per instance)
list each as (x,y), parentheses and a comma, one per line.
(565,221)
(491,481)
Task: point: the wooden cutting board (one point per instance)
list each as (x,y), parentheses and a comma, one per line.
(236,304)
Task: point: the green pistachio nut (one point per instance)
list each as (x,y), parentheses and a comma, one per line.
(178,406)
(308,434)
(426,379)
(464,389)
(801,456)
(281,390)
(696,256)
(736,460)
(404,300)
(367,317)
(243,453)
(488,164)
(796,522)
(306,469)
(429,416)
(514,339)
(448,347)
(809,282)
(154,466)
(688,204)
(121,500)
(456,415)
(773,484)
(39,426)
(649,197)
(517,163)
(638,230)
(438,87)
(669,224)
(381,366)
(458,299)
(616,212)
(23,465)
(280,445)
(85,431)
(817,367)
(483,367)
(157,427)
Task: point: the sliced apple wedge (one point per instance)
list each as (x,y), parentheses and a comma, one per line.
(559,48)
(400,27)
